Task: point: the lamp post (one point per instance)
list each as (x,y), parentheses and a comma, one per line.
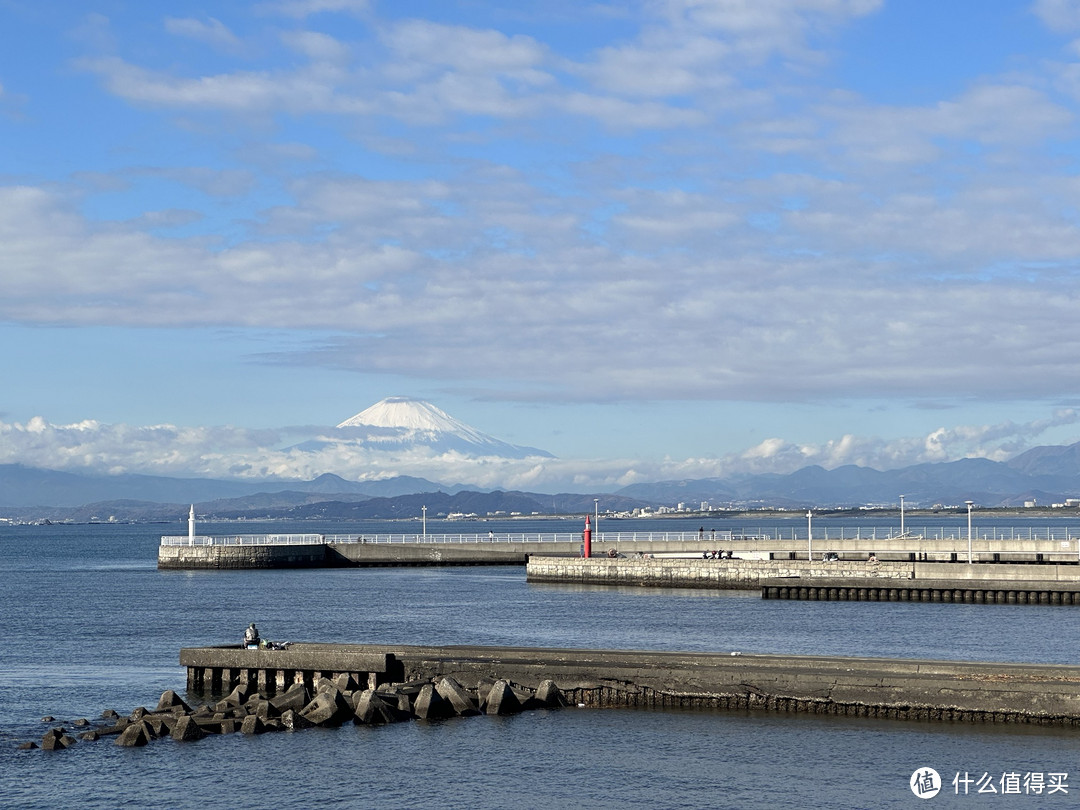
(969,505)
(809,536)
(423,509)
(901,515)
(596,517)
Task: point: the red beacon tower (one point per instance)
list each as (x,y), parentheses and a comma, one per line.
(587,539)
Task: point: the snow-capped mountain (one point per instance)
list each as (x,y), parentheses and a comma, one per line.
(406,424)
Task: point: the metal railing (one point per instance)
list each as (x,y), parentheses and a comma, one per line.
(822,535)
(244,540)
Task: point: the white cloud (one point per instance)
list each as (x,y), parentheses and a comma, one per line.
(1059,15)
(307,90)
(211,31)
(425,45)
(237,453)
(306,8)
(690,305)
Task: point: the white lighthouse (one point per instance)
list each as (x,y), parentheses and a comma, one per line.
(191,526)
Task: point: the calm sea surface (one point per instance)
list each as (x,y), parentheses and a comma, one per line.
(87,622)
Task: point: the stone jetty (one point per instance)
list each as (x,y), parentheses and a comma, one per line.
(862,687)
(261,691)
(1052,583)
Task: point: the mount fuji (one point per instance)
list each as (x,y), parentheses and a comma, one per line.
(406,425)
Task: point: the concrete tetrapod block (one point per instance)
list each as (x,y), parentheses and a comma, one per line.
(252,725)
(216,725)
(346,683)
(159,725)
(483,688)
(135,735)
(171,700)
(375,708)
(502,700)
(187,730)
(296,697)
(291,721)
(328,708)
(265,710)
(550,695)
(459,697)
(430,705)
(56,739)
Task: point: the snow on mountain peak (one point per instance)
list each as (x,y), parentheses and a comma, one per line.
(405,422)
(410,414)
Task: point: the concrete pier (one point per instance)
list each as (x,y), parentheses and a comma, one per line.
(197,558)
(860,687)
(278,551)
(799,574)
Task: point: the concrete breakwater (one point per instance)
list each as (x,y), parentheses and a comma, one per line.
(327,703)
(861,687)
(753,574)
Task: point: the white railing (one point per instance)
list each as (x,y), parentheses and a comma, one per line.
(493,537)
(244,540)
(822,535)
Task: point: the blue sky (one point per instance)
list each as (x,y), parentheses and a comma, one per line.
(659,239)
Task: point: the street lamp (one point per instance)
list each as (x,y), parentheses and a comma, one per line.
(901,515)
(969,504)
(809,536)
(596,517)
(424,510)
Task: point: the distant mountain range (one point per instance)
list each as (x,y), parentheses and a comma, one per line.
(1046,475)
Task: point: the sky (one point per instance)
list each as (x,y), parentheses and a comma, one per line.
(656,238)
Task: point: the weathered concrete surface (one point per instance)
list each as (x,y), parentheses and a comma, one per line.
(699,573)
(322,658)
(858,686)
(241,557)
(896,688)
(407,554)
(1044,572)
(751,574)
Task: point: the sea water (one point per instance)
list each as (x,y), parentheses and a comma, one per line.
(87,622)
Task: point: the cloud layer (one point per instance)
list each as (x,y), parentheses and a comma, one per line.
(718,221)
(236,453)
(681,200)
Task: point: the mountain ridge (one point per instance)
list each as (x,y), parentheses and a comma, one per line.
(1049,474)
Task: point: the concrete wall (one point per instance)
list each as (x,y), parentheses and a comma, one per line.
(1056,572)
(697,573)
(214,557)
(749,574)
(380,554)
